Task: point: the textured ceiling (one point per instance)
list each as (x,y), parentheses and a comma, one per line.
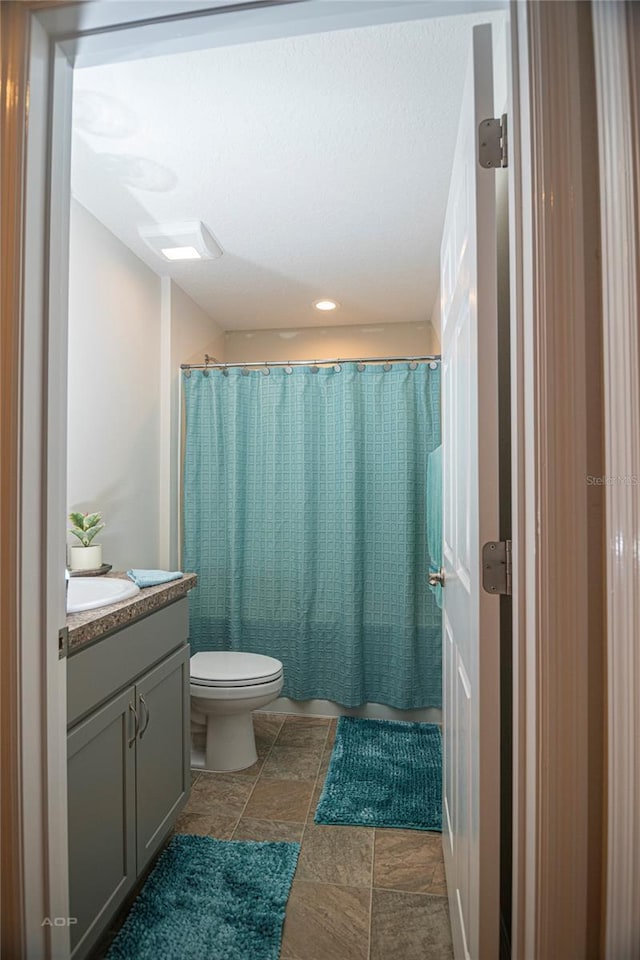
(320,163)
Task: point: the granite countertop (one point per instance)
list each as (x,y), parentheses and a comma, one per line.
(92,625)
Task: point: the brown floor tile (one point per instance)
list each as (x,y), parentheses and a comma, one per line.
(292,763)
(406,860)
(252,772)
(219,794)
(280,800)
(220,827)
(410,926)
(268,724)
(332,854)
(266,727)
(250,829)
(315,799)
(303,731)
(438,882)
(263,746)
(324,763)
(331,737)
(326,922)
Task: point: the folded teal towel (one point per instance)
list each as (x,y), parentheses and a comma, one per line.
(151,578)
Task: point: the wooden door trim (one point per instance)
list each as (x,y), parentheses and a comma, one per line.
(14,38)
(558,523)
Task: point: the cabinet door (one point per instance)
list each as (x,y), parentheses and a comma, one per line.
(101,785)
(163,751)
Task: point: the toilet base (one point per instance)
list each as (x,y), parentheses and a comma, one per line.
(230,744)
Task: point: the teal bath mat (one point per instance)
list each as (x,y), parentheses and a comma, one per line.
(210,900)
(384,773)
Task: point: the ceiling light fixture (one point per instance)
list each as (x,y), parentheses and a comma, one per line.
(180,253)
(182,240)
(326,304)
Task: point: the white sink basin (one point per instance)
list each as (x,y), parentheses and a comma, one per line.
(88,593)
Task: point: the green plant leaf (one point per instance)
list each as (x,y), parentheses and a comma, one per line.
(92,520)
(93,532)
(77,519)
(80,534)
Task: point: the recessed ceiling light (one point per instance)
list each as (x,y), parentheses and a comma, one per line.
(326,304)
(180,253)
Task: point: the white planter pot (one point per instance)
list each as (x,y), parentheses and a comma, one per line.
(85,558)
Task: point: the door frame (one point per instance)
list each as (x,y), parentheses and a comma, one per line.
(557,443)
(549,457)
(617,41)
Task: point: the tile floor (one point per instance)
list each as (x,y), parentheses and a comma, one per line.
(359,893)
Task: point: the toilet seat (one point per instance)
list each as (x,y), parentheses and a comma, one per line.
(227,668)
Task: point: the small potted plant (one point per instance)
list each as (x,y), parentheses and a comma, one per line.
(87,555)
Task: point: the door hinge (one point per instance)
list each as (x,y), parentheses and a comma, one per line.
(63,642)
(496,567)
(492,142)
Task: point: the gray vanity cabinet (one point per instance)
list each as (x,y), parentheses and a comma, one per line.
(128,762)
(102,809)
(162,776)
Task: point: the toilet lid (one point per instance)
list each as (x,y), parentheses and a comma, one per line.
(226,668)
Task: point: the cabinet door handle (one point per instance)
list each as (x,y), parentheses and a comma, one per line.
(136,722)
(146,718)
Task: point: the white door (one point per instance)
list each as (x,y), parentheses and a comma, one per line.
(470,476)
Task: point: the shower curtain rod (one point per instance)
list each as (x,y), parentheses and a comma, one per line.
(210,363)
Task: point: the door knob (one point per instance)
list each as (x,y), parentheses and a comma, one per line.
(437,579)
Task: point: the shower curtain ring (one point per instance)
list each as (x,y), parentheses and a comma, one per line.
(315,367)
(187,374)
(266,370)
(225,371)
(413,365)
(387,367)
(245,371)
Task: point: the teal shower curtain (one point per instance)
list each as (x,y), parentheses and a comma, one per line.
(305,518)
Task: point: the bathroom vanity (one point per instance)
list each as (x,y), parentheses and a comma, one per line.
(128,747)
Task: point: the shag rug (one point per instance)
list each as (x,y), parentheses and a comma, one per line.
(210,899)
(384,773)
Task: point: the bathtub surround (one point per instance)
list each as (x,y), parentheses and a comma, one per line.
(384,773)
(210,898)
(305,519)
(372,711)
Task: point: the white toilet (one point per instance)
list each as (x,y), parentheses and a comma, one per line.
(225,688)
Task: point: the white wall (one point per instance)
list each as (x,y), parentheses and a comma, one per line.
(129,330)
(314,343)
(436,321)
(189,333)
(114,386)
